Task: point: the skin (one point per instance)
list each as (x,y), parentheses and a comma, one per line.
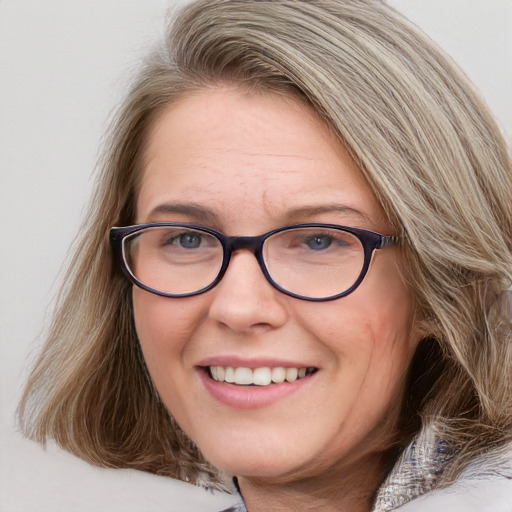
(257,162)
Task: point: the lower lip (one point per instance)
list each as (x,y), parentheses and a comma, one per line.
(251,397)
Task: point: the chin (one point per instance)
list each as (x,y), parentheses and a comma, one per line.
(248,462)
(262,459)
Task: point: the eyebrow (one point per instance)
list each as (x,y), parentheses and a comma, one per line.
(191,210)
(201,213)
(304,211)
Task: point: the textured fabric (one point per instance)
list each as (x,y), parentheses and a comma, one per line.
(415,473)
(485,486)
(418,470)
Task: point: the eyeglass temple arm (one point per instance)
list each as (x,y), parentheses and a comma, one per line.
(388,241)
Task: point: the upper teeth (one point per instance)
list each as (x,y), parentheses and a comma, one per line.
(257,376)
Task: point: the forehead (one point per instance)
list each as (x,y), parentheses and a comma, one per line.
(245,153)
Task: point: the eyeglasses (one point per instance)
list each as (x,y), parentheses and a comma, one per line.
(315,262)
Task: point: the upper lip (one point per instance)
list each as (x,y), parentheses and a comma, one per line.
(238,362)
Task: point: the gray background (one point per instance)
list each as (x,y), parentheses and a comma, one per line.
(63,66)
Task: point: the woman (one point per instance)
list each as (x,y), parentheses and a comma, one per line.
(292,268)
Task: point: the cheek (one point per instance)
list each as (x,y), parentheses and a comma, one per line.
(370,335)
(376,320)
(388,304)
(387,307)
(164,326)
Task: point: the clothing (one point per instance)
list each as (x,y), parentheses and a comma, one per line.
(484,486)
(490,495)
(484,495)
(412,481)
(237,508)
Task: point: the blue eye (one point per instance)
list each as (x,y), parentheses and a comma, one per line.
(183,240)
(318,242)
(189,240)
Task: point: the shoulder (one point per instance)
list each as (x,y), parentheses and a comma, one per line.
(489,495)
(237,508)
(240,506)
(486,486)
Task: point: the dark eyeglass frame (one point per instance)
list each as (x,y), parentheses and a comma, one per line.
(230,244)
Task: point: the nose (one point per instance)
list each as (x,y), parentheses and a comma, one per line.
(244,301)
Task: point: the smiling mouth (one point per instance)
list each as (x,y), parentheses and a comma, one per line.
(265,376)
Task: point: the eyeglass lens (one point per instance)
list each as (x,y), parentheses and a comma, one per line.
(312,262)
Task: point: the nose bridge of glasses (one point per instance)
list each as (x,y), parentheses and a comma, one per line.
(251,243)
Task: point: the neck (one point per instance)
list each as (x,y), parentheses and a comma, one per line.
(336,490)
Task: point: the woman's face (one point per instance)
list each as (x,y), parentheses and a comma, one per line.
(245,164)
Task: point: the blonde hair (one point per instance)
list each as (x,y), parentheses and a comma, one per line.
(425,142)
